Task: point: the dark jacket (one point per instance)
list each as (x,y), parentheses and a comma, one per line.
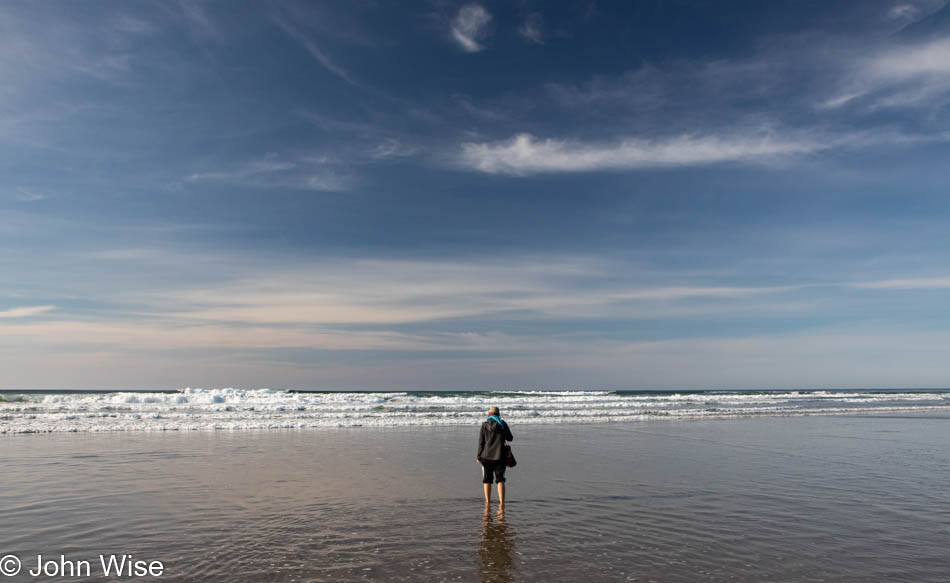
(491,439)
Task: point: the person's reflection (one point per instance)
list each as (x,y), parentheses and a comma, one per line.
(496,549)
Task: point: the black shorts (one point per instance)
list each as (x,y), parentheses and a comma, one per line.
(493,469)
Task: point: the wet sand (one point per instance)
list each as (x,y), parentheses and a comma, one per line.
(776,499)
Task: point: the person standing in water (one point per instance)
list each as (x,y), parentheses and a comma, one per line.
(491,454)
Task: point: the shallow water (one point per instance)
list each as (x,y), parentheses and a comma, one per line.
(854,498)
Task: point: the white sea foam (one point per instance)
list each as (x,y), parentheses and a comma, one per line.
(230,408)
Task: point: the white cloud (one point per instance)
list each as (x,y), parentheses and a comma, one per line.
(392,148)
(306,173)
(325,181)
(905,12)
(167,333)
(25,312)
(468,27)
(525,154)
(916,283)
(267,165)
(383,293)
(684,292)
(685,94)
(314,306)
(127,253)
(898,77)
(243,311)
(840,100)
(530,29)
(25,195)
(925,59)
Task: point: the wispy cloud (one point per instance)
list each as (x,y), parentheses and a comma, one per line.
(392,148)
(383,293)
(427,309)
(167,334)
(306,172)
(687,292)
(316,52)
(317,305)
(198,20)
(25,311)
(913,283)
(916,61)
(777,85)
(354,305)
(268,165)
(531,28)
(30,61)
(480,113)
(468,27)
(525,154)
(701,84)
(905,76)
(903,12)
(25,195)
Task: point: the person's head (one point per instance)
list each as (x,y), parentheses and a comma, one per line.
(494,411)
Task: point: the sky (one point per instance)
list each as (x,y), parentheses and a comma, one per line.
(653,194)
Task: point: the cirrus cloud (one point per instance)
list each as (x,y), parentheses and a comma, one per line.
(468,28)
(525,154)
(908,76)
(25,311)
(530,29)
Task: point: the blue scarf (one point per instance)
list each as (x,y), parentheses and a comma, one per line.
(497,420)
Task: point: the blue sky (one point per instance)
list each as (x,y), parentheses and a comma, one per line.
(634,195)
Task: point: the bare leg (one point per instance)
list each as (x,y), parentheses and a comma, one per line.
(501,493)
(488,493)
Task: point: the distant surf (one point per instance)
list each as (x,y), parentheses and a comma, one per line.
(235,409)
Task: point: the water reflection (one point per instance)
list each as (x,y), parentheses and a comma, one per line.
(496,550)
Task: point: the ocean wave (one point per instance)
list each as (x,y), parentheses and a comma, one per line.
(235,409)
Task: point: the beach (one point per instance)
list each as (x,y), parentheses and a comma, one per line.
(857,497)
(272,267)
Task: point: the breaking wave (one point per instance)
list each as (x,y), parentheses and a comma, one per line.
(205,409)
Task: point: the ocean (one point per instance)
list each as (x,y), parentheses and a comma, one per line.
(844,486)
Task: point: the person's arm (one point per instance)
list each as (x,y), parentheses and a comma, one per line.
(481,444)
(508,436)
